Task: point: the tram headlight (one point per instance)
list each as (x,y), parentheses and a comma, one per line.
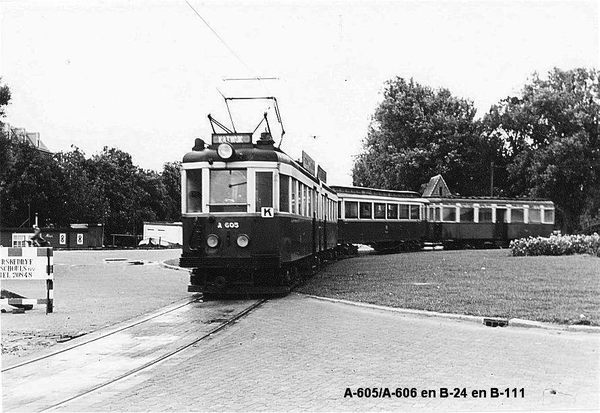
(225,151)
(243,240)
(212,241)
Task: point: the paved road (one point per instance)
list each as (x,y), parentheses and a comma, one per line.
(90,292)
(86,364)
(299,353)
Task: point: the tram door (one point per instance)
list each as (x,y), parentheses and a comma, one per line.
(501,227)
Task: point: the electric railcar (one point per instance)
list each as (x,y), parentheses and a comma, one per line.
(383,219)
(476,222)
(253,218)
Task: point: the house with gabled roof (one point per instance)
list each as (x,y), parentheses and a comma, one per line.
(436,187)
(21,135)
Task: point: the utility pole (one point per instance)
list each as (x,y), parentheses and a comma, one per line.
(492,178)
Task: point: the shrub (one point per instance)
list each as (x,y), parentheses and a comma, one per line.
(557,245)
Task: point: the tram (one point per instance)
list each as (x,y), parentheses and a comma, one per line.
(385,220)
(253,218)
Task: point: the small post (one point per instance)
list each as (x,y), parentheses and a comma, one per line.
(49,283)
(49,296)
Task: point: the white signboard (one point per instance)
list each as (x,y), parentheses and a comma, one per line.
(266,212)
(25,264)
(21,240)
(62,238)
(79,239)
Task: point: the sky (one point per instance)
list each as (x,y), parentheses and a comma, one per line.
(142,76)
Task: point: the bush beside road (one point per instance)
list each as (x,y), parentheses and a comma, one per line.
(90,293)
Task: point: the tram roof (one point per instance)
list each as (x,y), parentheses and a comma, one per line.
(359,190)
(486,199)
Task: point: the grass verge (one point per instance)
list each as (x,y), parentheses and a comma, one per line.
(489,283)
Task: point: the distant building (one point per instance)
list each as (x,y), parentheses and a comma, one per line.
(163,233)
(436,187)
(21,135)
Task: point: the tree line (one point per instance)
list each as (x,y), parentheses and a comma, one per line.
(543,142)
(68,187)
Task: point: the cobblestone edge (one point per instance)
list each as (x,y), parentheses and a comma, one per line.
(513,322)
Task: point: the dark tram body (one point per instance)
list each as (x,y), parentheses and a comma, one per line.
(385,220)
(476,222)
(253,218)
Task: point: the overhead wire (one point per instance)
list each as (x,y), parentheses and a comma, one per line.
(219,37)
(278,115)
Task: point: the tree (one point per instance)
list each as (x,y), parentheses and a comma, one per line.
(417,132)
(31,182)
(171,178)
(68,188)
(551,135)
(82,200)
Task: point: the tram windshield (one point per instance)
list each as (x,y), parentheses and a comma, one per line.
(228,190)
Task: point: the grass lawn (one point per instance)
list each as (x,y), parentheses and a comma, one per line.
(489,283)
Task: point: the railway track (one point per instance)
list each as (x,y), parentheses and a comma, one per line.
(52,381)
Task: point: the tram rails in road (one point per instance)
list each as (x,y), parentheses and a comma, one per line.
(54,380)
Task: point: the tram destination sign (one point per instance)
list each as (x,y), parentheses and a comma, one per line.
(231,138)
(321,174)
(308,163)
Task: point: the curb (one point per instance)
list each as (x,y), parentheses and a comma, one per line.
(512,322)
(172,267)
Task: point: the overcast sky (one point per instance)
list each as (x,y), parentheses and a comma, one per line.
(142,76)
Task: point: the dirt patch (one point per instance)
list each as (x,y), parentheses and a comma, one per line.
(15,345)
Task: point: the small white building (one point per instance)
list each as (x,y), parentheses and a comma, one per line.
(163,233)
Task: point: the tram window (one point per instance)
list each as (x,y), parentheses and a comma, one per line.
(485,214)
(284,193)
(437,214)
(264,190)
(449,214)
(467,214)
(365,210)
(549,216)
(351,209)
(414,212)
(392,211)
(228,190)
(304,200)
(404,211)
(294,191)
(379,211)
(432,214)
(194,190)
(299,198)
(517,215)
(535,215)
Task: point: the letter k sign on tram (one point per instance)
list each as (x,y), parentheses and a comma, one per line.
(266,212)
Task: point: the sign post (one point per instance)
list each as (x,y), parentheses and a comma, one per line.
(29,263)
